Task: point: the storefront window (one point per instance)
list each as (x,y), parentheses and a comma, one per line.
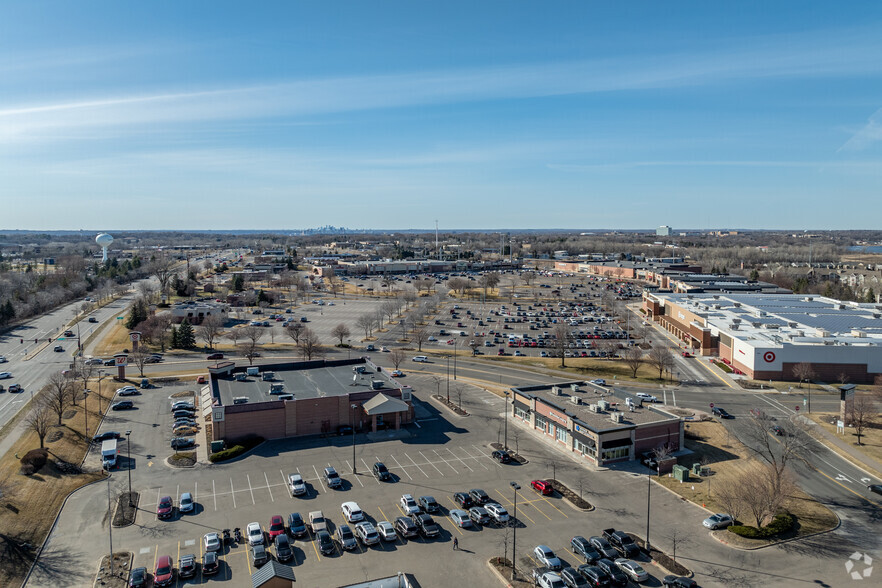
(585,449)
(561,434)
(520,413)
(615,453)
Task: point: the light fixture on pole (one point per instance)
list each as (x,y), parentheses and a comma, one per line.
(129,464)
(86,410)
(514,528)
(648,489)
(505,420)
(354,407)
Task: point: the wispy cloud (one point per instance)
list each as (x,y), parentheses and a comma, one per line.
(867,135)
(612,166)
(115,113)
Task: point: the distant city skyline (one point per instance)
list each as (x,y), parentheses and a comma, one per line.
(118,116)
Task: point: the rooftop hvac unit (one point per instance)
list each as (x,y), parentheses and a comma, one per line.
(574,387)
(602,405)
(858,334)
(575,400)
(716,296)
(841,306)
(792,325)
(376,384)
(616,417)
(877,315)
(759,313)
(593,408)
(800,333)
(405,395)
(736,304)
(808,299)
(555,391)
(736,320)
(734,326)
(822,333)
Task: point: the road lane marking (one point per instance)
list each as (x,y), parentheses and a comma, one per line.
(847,488)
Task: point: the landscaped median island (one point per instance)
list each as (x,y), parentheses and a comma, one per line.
(450,405)
(767,508)
(242,446)
(570,496)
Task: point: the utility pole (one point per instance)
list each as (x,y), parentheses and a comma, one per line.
(514,529)
(648,489)
(354,407)
(110,524)
(505,436)
(129,464)
(454,359)
(448,379)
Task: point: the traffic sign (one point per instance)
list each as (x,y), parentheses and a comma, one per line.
(712,405)
(797,408)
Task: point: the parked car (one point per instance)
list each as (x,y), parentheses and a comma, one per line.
(603,547)
(599,382)
(679,582)
(284,551)
(542,487)
(718,521)
(595,576)
(632,569)
(182,442)
(351,512)
(479,515)
(187,566)
(258,555)
(428,504)
(138,578)
(426,525)
(276,527)
(479,496)
(616,576)
(346,538)
(210,565)
(405,527)
(164,574)
(296,485)
(381,472)
(386,531)
(367,533)
(325,543)
(127,391)
(583,548)
(646,397)
(463,499)
(186,503)
(332,478)
(105,436)
(460,518)
(317,522)
(501,456)
(295,525)
(573,579)
(211,542)
(621,542)
(254,534)
(545,556)
(497,512)
(408,504)
(165,509)
(122,405)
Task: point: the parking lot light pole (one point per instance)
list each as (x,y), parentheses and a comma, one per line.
(100,377)
(129,464)
(448,378)
(86,412)
(648,489)
(349,345)
(354,407)
(454,360)
(505,420)
(514,528)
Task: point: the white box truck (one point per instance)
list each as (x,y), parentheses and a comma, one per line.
(109,452)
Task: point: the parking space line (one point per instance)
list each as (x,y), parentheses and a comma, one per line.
(285,482)
(532,503)
(177,495)
(429,462)
(349,467)
(369,469)
(507,502)
(250,489)
(320,482)
(478,460)
(497,464)
(312,541)
(460,460)
(214,492)
(445,461)
(232,493)
(455,506)
(158,492)
(415,463)
(155,556)
(196,492)
(265,477)
(402,468)
(554,507)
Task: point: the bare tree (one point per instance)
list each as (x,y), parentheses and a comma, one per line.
(729,499)
(527,278)
(552,463)
(252,335)
(778,454)
(295,331)
(163,269)
(365,322)
(516,437)
(489,280)
(633,358)
(210,329)
(389,309)
(340,332)
(139,358)
(58,393)
(39,420)
(396,356)
(420,336)
(864,414)
(560,342)
(803,372)
(310,346)
(677,538)
(458,389)
(234,335)
(475,344)
(83,372)
(661,358)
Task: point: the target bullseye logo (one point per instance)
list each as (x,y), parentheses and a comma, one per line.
(769,356)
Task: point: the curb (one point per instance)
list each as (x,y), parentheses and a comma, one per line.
(453,412)
(498,575)
(128,566)
(774,543)
(178,467)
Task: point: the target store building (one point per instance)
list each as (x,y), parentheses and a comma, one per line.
(766,335)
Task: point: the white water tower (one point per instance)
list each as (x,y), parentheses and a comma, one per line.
(104,240)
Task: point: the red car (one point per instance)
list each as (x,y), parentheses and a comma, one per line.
(164,575)
(542,487)
(215,356)
(276,527)
(165,508)
(686,354)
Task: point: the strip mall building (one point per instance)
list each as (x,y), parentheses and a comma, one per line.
(766,336)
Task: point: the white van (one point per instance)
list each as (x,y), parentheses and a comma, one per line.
(252,371)
(421,359)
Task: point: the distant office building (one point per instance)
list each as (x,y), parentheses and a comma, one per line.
(664,231)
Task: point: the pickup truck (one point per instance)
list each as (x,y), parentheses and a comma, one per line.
(621,542)
(317,522)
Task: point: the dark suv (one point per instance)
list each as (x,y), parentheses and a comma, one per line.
(583,548)
(381,472)
(426,525)
(617,577)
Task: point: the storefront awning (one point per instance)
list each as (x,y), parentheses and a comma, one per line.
(616,443)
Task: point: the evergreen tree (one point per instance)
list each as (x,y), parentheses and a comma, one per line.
(137,315)
(186,337)
(870,296)
(174,344)
(238,283)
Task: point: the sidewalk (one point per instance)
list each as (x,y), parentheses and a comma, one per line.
(852,454)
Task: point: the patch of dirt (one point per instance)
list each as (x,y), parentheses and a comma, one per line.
(122,563)
(518,458)
(503,566)
(126,509)
(570,496)
(182,460)
(69,414)
(450,405)
(661,558)
(183,394)
(54,436)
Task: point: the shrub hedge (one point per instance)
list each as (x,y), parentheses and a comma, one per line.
(782,523)
(236,450)
(36,458)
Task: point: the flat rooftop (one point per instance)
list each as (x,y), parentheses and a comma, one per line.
(306,382)
(771,320)
(590,395)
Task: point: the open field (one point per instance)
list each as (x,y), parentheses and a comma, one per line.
(871,439)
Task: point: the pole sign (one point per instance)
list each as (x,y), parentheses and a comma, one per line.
(711,404)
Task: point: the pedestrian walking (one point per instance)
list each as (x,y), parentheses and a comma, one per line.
(455,544)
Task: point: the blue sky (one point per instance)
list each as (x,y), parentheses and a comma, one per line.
(286,115)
